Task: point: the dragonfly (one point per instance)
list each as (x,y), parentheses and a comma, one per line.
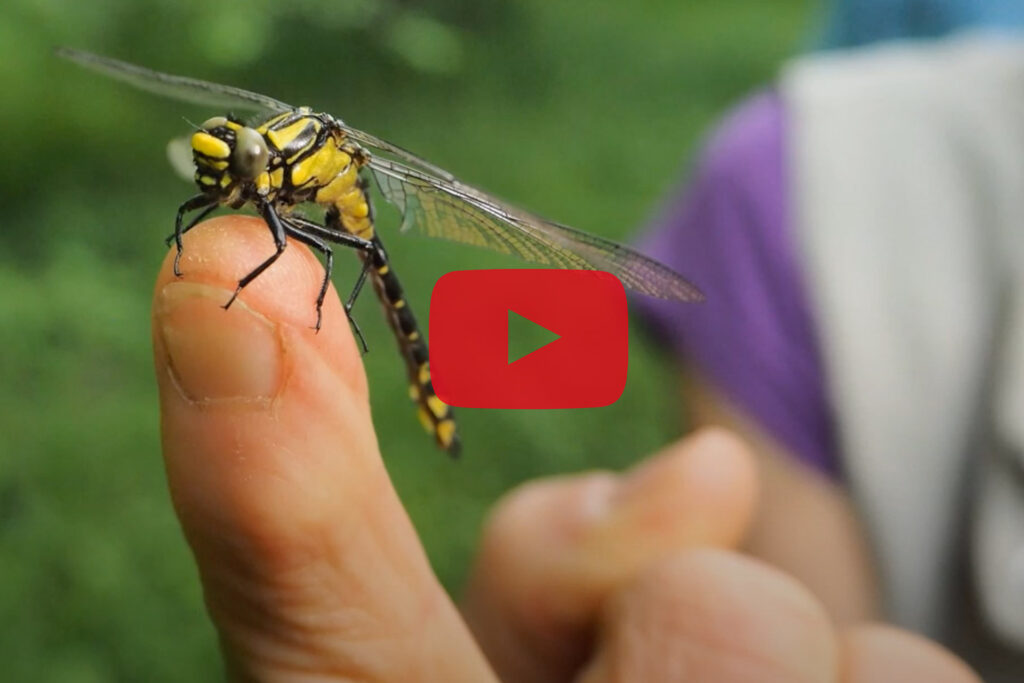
(293,156)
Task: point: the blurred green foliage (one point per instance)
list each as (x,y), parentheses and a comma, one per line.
(582,111)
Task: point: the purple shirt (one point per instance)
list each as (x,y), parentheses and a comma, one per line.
(730,233)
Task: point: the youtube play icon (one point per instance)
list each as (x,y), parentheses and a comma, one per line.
(584,367)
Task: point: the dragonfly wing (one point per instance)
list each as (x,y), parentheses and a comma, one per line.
(181,88)
(453,211)
(442,215)
(637,272)
(369,140)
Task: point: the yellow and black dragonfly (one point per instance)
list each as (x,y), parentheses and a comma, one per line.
(293,155)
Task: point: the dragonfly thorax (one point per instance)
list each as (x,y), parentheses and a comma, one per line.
(292,157)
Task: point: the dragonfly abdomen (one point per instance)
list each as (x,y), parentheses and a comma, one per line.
(437,418)
(347,195)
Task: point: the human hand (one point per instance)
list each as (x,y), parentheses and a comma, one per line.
(312,570)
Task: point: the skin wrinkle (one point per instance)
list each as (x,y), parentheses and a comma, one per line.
(247,636)
(297,645)
(327,596)
(316,592)
(244,242)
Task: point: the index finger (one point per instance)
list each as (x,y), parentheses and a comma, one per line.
(309,564)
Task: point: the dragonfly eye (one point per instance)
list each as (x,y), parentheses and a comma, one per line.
(250,156)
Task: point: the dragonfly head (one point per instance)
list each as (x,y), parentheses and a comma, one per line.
(227,153)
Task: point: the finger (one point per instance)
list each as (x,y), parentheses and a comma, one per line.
(310,567)
(709,615)
(875,653)
(553,550)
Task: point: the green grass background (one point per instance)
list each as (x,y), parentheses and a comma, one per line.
(582,111)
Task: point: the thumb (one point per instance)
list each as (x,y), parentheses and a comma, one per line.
(309,564)
(553,551)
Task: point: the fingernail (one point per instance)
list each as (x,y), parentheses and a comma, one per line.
(216,354)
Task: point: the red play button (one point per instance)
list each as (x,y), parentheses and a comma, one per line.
(583,366)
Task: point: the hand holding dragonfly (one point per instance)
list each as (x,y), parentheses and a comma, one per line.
(312,570)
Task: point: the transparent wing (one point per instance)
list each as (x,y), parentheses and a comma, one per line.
(429,197)
(368,140)
(450,210)
(219,96)
(176,87)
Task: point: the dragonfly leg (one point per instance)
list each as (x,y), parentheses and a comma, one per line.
(358,287)
(277,229)
(316,236)
(323,248)
(373,248)
(200,200)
